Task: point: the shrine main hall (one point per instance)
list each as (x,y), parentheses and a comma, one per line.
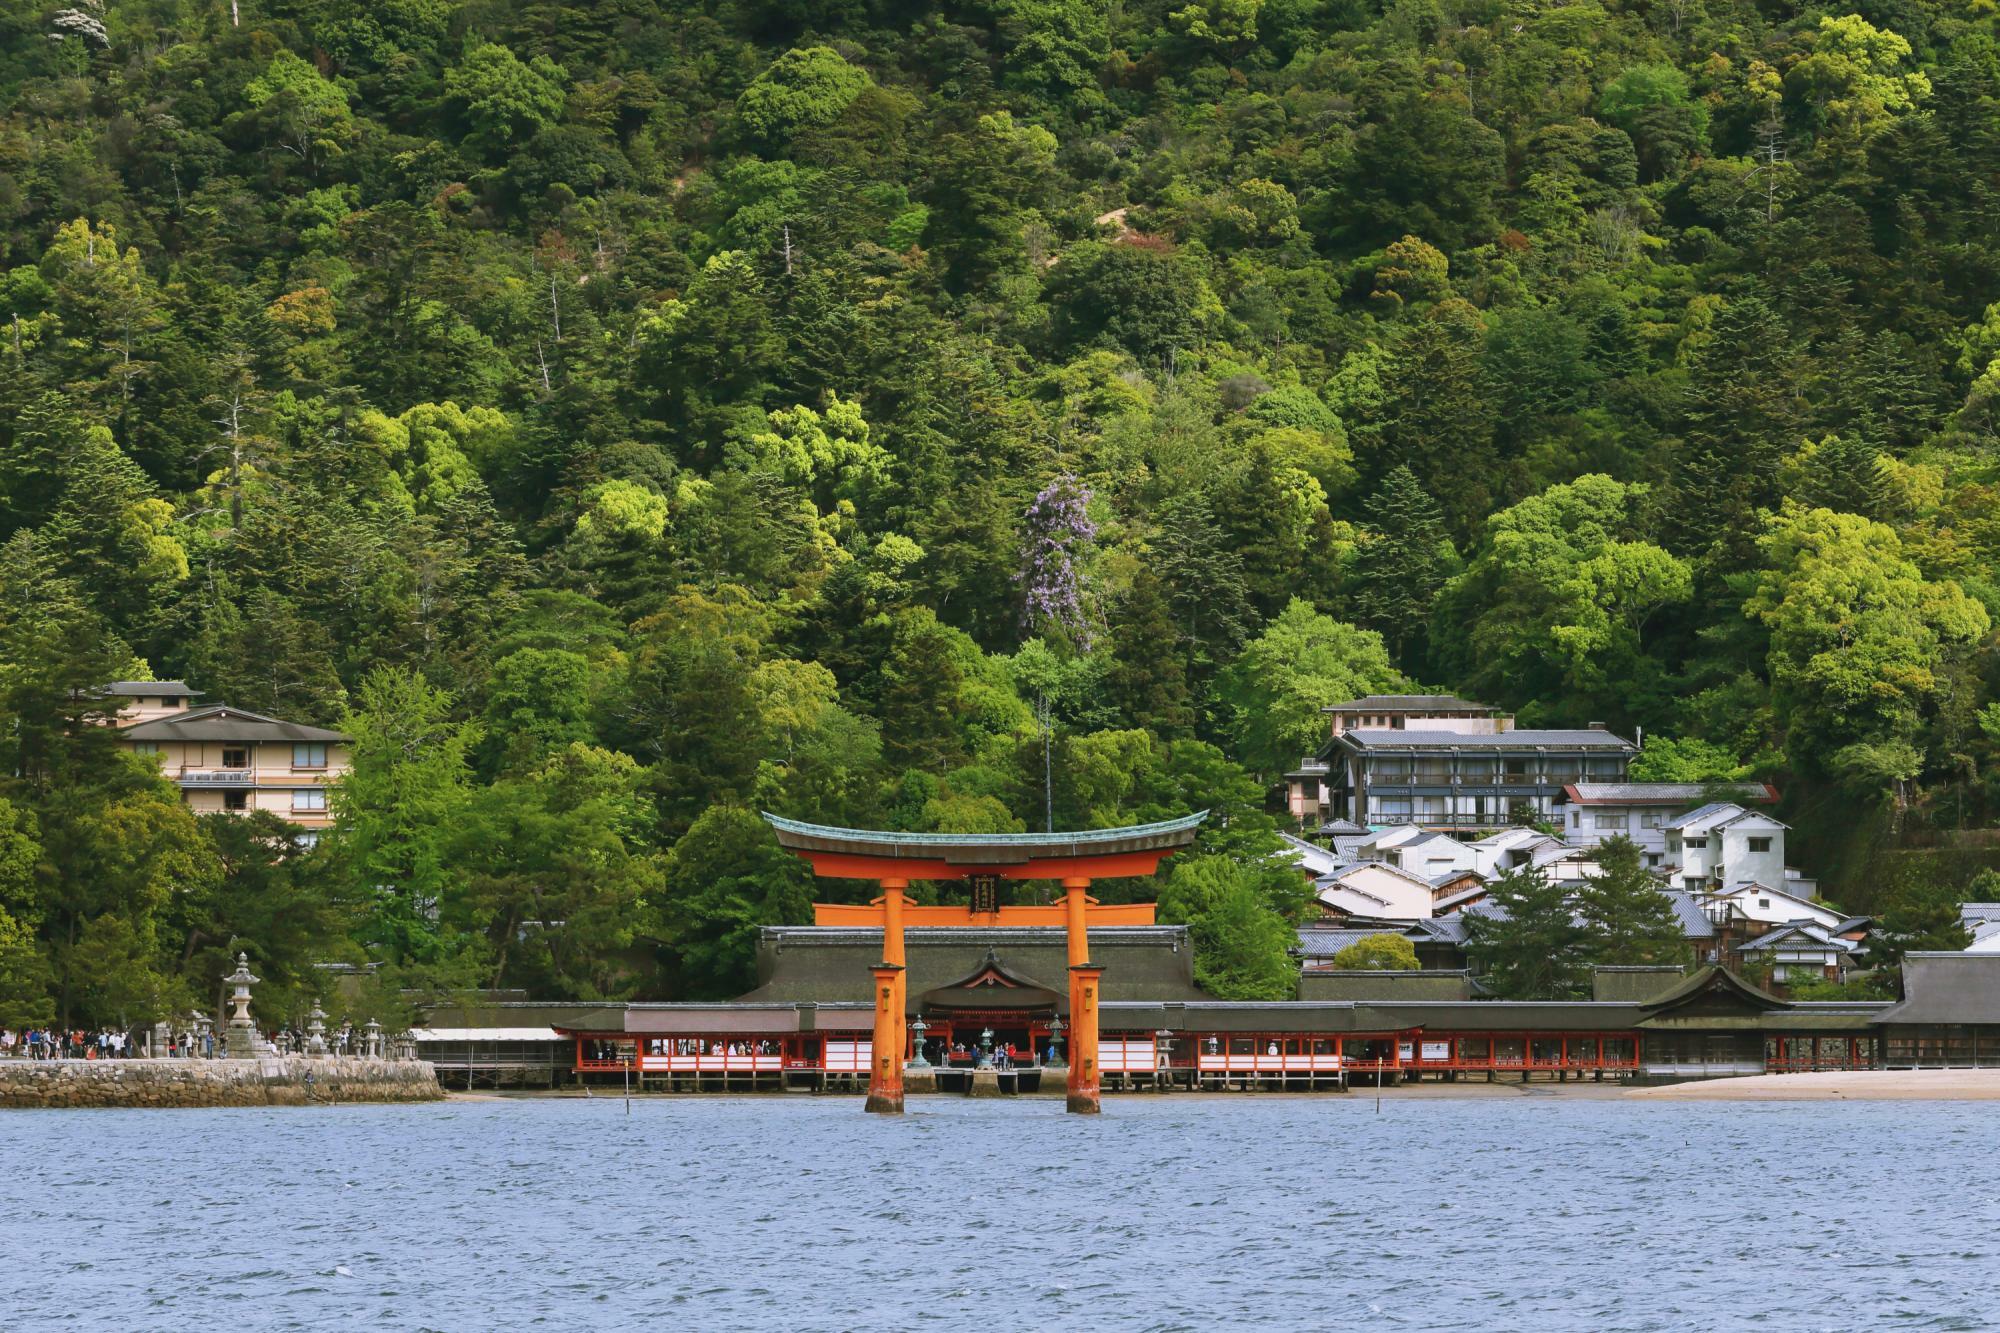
(1021,982)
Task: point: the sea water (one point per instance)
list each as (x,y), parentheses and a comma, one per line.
(1164,1213)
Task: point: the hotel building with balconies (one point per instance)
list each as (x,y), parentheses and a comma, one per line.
(227,759)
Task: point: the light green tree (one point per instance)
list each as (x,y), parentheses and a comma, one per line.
(1381,952)
(1302,662)
(1860,643)
(504,101)
(805,87)
(307,113)
(1558,594)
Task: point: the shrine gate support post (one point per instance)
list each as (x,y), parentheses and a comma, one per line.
(1083,987)
(885,1067)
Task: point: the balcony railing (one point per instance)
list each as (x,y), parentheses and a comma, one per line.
(217,777)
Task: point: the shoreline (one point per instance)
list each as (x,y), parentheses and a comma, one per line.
(1853,1085)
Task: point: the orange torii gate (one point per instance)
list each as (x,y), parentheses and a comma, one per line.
(985,859)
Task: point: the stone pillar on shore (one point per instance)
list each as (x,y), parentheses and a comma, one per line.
(241,1041)
(316,1030)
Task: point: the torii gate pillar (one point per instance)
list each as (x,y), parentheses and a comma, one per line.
(885,1068)
(1083,987)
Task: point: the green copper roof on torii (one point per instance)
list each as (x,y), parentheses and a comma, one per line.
(1166,835)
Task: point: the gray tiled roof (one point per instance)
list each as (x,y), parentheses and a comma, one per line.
(1948,988)
(1320,943)
(1667,793)
(1695,924)
(1969,913)
(220,722)
(1700,814)
(1459,899)
(150,689)
(1449,703)
(1811,932)
(1580,739)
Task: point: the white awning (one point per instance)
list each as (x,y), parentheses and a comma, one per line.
(486,1034)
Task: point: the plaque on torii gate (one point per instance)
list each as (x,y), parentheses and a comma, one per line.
(984,860)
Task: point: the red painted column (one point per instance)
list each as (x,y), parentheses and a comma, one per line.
(885,1067)
(893,896)
(1083,1066)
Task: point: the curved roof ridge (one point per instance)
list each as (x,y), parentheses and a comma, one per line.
(1080,837)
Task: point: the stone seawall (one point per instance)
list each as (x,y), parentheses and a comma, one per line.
(270,1081)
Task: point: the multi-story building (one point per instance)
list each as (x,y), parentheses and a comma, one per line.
(1593,812)
(230,759)
(1721,846)
(1450,765)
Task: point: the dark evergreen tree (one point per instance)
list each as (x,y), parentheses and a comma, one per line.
(1630,918)
(1400,567)
(1531,943)
(1147,679)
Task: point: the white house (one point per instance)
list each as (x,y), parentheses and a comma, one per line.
(1593,812)
(1376,889)
(1509,849)
(1722,845)
(1799,951)
(1412,848)
(1758,906)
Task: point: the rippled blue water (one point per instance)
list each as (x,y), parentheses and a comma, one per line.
(1162,1214)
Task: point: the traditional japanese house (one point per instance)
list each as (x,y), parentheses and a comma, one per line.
(1949,1017)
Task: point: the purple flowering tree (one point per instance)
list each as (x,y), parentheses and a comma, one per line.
(1055,607)
(1055,598)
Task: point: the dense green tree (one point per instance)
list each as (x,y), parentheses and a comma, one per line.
(1382,952)
(1242,944)
(1630,919)
(1301,663)
(1403,561)
(1532,943)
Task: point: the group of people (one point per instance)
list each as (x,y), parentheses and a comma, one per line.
(50,1044)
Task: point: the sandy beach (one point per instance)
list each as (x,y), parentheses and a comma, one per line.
(1858,1085)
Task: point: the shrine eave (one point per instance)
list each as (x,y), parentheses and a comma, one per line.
(971,853)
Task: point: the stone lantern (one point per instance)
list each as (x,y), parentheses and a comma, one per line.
(371,1045)
(406,1045)
(1055,1043)
(316,1030)
(241,1043)
(917,1031)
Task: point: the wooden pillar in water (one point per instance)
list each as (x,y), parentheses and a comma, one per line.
(1084,978)
(885,1074)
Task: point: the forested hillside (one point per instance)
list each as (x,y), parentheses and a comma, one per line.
(625,416)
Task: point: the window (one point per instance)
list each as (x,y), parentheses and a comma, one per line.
(145,747)
(1698,844)
(1652,859)
(309,756)
(235,757)
(309,798)
(1764,904)
(1760,844)
(1576,819)
(1610,819)
(1652,818)
(236,800)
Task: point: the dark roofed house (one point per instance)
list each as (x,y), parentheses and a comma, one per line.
(1464,779)
(1591,812)
(231,759)
(1949,1017)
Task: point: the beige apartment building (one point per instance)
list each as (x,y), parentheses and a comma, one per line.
(224,758)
